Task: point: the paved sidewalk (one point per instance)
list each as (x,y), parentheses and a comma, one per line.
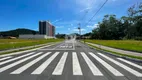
(116,50)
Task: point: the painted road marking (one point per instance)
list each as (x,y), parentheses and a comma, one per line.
(23,68)
(65,46)
(42,67)
(59,68)
(76,65)
(18,62)
(1,63)
(133,64)
(91,65)
(5,58)
(106,65)
(70,46)
(136,73)
(61,46)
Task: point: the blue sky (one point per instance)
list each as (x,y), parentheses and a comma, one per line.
(63,14)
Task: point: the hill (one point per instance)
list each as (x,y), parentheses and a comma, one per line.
(17,32)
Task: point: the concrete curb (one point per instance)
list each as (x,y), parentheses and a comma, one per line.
(20,52)
(116,50)
(124,57)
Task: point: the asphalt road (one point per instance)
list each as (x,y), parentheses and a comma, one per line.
(70,60)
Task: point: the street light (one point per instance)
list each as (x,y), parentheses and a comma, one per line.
(79,28)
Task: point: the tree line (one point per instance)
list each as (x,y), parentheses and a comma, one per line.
(127,27)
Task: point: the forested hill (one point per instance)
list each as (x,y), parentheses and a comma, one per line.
(16,32)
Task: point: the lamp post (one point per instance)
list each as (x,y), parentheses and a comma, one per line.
(79,28)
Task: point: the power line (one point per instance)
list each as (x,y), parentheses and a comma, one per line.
(83,18)
(86,13)
(96,12)
(93,15)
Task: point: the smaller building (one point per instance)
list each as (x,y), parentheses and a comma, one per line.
(31,36)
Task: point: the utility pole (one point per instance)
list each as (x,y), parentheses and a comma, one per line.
(79,28)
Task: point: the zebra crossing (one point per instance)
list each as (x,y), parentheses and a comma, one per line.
(5,58)
(76,65)
(134,72)
(60,66)
(92,66)
(21,69)
(109,67)
(34,57)
(41,68)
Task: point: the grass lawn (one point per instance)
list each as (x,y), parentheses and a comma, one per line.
(131,45)
(120,54)
(17,43)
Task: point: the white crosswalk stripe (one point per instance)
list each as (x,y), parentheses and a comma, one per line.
(91,65)
(61,46)
(60,66)
(34,58)
(76,65)
(18,62)
(42,67)
(5,58)
(134,72)
(23,68)
(109,67)
(10,60)
(133,64)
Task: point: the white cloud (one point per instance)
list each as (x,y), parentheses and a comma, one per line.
(69,28)
(68,22)
(86,9)
(84,3)
(77,6)
(57,20)
(71,24)
(59,26)
(74,27)
(92,26)
(91,5)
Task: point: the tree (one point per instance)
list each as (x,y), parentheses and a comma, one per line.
(33,32)
(128,27)
(62,36)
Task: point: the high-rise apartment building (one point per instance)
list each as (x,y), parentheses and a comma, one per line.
(46,28)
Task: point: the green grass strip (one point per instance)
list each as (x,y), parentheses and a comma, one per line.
(6,44)
(130,45)
(22,49)
(120,54)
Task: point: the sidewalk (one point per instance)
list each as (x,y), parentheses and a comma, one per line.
(116,50)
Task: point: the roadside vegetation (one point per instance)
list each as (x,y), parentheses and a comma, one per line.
(131,45)
(119,28)
(116,53)
(18,43)
(123,32)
